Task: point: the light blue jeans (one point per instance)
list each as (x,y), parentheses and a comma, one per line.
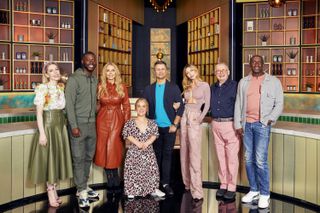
(256,142)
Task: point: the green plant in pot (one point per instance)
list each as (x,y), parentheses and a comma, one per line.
(36,55)
(2,82)
(292,55)
(264,38)
(51,36)
(309,86)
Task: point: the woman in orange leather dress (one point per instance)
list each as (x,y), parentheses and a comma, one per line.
(113,112)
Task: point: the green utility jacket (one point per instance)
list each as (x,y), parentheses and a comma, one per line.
(81,96)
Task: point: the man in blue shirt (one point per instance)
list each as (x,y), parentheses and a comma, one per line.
(161,96)
(227,144)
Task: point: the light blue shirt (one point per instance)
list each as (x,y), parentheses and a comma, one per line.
(162,118)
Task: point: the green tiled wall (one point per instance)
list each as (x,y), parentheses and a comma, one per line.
(314,121)
(32,117)
(17,118)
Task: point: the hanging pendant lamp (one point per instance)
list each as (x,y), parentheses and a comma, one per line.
(160,8)
(276,3)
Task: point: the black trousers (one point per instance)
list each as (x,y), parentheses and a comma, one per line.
(163,147)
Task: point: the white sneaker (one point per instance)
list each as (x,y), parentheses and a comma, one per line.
(264,201)
(250,196)
(158,193)
(83,199)
(92,193)
(130,196)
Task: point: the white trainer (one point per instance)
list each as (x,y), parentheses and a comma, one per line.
(264,201)
(250,196)
(130,196)
(158,193)
(83,199)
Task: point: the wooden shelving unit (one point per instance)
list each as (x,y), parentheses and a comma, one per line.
(27,36)
(204,43)
(27,69)
(5,46)
(293,28)
(115,42)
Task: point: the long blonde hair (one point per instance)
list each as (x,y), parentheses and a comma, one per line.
(117,81)
(45,77)
(186,82)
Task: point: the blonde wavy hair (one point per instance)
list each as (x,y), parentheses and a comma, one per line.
(186,82)
(45,77)
(103,81)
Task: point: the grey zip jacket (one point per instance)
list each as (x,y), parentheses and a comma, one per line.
(271,101)
(81,98)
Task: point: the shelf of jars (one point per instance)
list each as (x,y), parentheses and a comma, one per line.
(287,40)
(5,67)
(43,21)
(5,22)
(310,69)
(29,59)
(204,43)
(35,32)
(267,26)
(282,62)
(115,42)
(310,22)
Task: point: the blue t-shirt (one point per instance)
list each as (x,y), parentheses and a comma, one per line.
(162,118)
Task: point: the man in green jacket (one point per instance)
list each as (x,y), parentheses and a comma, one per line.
(81,109)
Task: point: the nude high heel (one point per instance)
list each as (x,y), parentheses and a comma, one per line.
(51,196)
(56,194)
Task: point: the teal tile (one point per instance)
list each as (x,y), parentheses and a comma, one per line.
(5,120)
(296,119)
(300,120)
(313,121)
(26,118)
(292,119)
(304,120)
(287,118)
(1,120)
(309,120)
(9,120)
(14,119)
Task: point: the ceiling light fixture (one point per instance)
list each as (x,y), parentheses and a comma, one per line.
(160,8)
(276,3)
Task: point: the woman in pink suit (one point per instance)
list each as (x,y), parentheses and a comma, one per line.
(196,94)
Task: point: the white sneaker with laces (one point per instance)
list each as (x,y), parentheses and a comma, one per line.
(158,193)
(264,201)
(83,199)
(130,196)
(92,193)
(250,196)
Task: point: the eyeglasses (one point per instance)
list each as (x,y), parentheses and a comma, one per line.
(221,71)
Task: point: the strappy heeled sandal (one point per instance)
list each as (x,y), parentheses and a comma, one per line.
(59,200)
(51,196)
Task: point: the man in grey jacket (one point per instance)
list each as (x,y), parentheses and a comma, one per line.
(258,105)
(81,112)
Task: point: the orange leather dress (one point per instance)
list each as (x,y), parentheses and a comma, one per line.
(113,113)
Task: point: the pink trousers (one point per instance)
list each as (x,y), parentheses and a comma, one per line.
(227,147)
(190,152)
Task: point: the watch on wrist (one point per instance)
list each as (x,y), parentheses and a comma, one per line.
(176,125)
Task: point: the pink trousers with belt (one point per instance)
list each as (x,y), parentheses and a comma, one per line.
(227,147)
(190,152)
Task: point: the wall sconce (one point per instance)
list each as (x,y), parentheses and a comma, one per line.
(276,3)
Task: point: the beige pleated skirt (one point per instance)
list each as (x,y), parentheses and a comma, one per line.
(52,162)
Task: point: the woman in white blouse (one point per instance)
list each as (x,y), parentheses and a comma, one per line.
(50,157)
